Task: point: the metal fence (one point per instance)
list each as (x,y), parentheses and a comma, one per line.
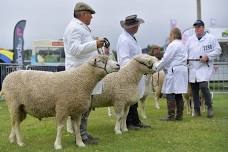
(46,68)
(8,68)
(219,80)
(218,83)
(5,69)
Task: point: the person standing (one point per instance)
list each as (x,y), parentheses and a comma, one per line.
(202,49)
(79,46)
(127,48)
(174,64)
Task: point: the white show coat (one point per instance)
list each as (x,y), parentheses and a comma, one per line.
(174,63)
(208,44)
(127,48)
(79,46)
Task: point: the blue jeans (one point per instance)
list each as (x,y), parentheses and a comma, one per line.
(83,126)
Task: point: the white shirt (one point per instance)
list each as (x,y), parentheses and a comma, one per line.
(174,63)
(208,44)
(127,48)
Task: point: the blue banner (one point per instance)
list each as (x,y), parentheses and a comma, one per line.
(18,42)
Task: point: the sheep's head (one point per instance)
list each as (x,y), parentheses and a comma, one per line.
(103,62)
(147,62)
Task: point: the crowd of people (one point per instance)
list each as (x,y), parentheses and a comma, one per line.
(182,63)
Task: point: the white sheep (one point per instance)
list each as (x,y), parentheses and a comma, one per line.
(47,94)
(189,104)
(121,88)
(157,82)
(147,92)
(154,84)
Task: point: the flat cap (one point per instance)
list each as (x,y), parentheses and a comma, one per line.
(81,6)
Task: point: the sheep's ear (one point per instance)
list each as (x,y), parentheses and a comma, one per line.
(93,61)
(140,58)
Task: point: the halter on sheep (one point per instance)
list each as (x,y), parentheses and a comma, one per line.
(149,67)
(102,67)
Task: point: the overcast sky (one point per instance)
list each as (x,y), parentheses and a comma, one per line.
(47,19)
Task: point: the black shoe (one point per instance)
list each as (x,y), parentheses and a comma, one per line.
(91,137)
(133,127)
(90,141)
(141,125)
(179,118)
(210,113)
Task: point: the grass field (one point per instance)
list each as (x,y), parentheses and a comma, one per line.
(190,135)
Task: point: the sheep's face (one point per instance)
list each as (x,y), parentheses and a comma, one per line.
(147,62)
(103,62)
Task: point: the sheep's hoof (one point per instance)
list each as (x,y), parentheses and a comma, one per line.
(70,131)
(58,147)
(125,130)
(21,144)
(157,106)
(118,132)
(81,144)
(144,116)
(12,139)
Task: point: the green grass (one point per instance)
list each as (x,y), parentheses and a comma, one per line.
(190,135)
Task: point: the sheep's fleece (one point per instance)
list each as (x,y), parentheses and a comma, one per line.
(47,94)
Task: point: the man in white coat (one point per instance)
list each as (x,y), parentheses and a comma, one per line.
(174,63)
(127,48)
(202,49)
(79,46)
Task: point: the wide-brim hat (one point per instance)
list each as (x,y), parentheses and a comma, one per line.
(131,21)
(81,6)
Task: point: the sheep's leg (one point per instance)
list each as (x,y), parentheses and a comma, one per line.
(202,100)
(187,102)
(16,117)
(69,125)
(142,103)
(157,105)
(57,143)
(76,124)
(61,120)
(189,107)
(192,107)
(123,123)
(109,112)
(119,110)
(18,134)
(12,136)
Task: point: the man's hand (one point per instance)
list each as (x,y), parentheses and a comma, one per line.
(204,58)
(155,65)
(106,51)
(100,42)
